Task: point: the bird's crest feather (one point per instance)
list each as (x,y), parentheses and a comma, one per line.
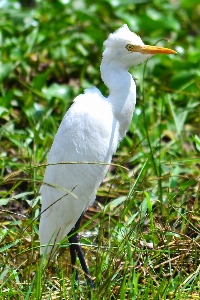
(122,35)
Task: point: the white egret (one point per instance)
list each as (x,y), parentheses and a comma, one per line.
(90,132)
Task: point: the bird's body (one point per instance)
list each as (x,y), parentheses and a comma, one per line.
(88,137)
(89,132)
(88,124)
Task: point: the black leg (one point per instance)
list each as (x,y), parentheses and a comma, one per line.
(75,249)
(73,256)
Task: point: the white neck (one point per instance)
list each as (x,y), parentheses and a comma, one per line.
(122,92)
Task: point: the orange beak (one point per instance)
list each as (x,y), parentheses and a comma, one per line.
(146,49)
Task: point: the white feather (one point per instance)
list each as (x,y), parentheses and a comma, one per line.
(89,133)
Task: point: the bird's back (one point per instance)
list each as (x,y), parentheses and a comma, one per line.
(88,133)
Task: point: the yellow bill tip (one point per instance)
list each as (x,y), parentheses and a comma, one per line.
(147,49)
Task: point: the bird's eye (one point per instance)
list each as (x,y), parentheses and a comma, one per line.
(129,47)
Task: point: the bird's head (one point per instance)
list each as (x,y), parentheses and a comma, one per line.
(127,49)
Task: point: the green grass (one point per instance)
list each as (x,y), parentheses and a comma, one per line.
(141,239)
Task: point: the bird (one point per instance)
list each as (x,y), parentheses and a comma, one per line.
(85,142)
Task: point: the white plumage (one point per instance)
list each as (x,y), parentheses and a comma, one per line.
(90,132)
